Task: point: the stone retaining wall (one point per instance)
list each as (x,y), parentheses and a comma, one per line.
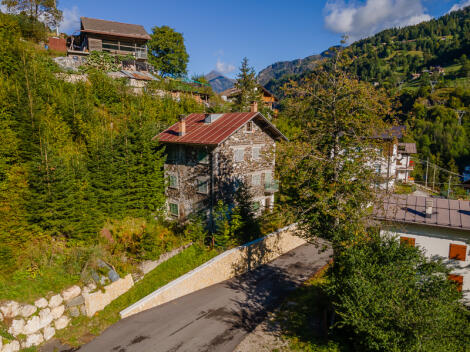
(223,267)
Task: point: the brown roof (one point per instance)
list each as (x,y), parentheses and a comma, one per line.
(407,148)
(93,25)
(448,213)
(202,133)
(235,91)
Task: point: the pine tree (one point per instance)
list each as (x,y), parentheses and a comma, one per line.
(248,88)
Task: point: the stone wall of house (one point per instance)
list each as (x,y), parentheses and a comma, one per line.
(229,170)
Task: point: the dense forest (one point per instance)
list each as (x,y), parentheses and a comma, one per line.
(426,71)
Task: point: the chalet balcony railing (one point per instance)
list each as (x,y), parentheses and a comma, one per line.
(271,186)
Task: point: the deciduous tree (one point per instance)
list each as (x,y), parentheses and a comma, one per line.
(168,52)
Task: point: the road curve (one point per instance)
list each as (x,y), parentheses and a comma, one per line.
(218,317)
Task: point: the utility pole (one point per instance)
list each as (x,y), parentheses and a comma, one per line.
(427,167)
(434,178)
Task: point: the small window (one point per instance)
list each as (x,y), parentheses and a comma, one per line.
(238,155)
(457,252)
(458,279)
(174,209)
(268,177)
(173,181)
(256,151)
(203,186)
(256,205)
(378,169)
(202,156)
(256,180)
(408,241)
(249,126)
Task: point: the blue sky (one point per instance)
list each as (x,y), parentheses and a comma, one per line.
(218,34)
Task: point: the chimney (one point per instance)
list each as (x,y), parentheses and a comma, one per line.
(254,106)
(182,125)
(428,208)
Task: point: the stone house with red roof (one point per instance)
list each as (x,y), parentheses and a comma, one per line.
(210,155)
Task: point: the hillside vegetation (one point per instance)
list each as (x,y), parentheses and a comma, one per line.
(74,158)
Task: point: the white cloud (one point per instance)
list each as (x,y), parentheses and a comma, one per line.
(460,6)
(362,19)
(223,67)
(71,20)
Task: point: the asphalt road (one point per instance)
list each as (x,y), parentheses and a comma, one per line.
(216,318)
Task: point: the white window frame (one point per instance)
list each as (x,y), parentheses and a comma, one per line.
(256,147)
(200,181)
(177,186)
(258,177)
(177,207)
(238,150)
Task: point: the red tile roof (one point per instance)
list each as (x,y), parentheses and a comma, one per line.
(199,132)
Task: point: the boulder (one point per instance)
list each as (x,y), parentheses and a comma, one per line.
(33,340)
(83,310)
(10,309)
(48,333)
(13,346)
(62,322)
(16,327)
(41,303)
(55,301)
(45,317)
(57,312)
(28,310)
(74,311)
(1,318)
(71,293)
(113,275)
(32,325)
(75,301)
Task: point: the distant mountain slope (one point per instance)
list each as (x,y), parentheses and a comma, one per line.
(219,82)
(393,55)
(288,68)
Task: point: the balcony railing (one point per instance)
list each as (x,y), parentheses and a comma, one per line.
(271,186)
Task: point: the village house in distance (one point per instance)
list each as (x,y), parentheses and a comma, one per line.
(210,155)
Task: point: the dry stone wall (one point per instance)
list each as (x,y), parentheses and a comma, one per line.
(33,324)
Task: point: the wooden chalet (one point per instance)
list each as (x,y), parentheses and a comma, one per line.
(113,37)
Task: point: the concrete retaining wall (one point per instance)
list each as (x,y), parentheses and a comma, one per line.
(223,267)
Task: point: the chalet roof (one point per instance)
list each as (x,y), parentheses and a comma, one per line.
(407,148)
(93,25)
(201,133)
(410,209)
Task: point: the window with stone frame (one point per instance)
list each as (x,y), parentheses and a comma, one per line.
(174,209)
(256,180)
(256,152)
(249,126)
(173,181)
(202,185)
(239,155)
(256,205)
